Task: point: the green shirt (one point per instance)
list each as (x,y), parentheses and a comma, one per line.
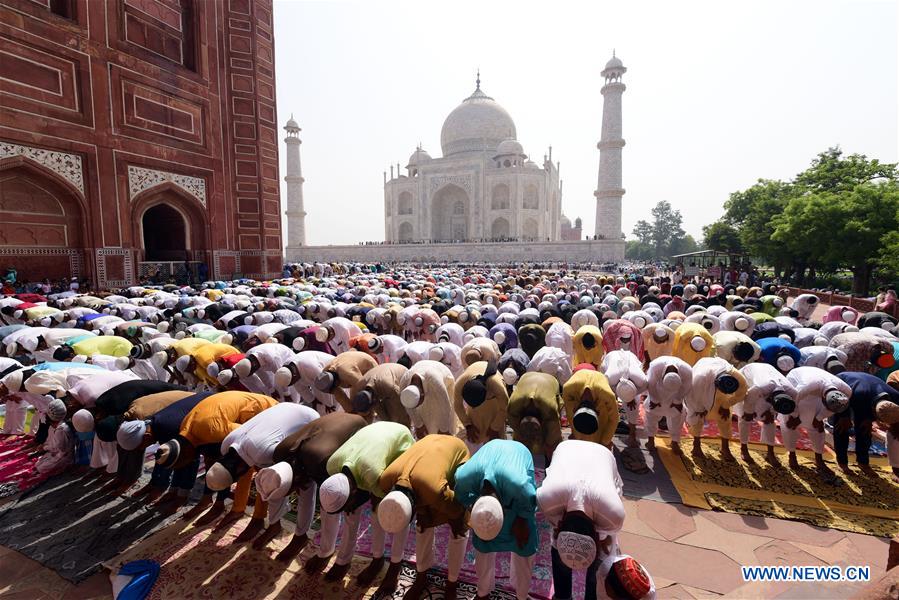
(369,451)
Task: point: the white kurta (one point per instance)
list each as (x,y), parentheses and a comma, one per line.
(663,401)
(255,440)
(763,381)
(811,384)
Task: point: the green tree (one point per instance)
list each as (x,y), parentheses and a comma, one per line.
(643,231)
(830,172)
(684,245)
(751,213)
(723,237)
(666,228)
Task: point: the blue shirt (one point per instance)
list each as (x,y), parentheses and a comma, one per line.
(509,467)
(61,366)
(866,388)
(774,347)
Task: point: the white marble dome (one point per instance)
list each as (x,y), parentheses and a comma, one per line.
(510,147)
(418,157)
(614,63)
(478,124)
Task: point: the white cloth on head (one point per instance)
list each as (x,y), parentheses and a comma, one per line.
(273,483)
(130,434)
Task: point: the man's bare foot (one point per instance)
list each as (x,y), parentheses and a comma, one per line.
(675,447)
(371,570)
(651,443)
(154,494)
(214,512)
(697,448)
(172,506)
(449,591)
(166,497)
(746,455)
(268,535)
(418,587)
(337,572)
(844,467)
(198,508)
(828,476)
(230,518)
(389,583)
(253,528)
(293,549)
(143,491)
(316,563)
(726,454)
(122,487)
(793,462)
(771,457)
(867,470)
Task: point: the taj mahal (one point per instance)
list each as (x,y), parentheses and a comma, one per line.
(483,194)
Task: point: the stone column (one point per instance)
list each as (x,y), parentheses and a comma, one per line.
(296,216)
(609,190)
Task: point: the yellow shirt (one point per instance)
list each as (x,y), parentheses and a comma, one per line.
(604,400)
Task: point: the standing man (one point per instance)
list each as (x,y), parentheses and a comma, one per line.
(497,484)
(581,499)
(420,483)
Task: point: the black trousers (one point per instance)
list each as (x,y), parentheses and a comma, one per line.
(562,579)
(861,416)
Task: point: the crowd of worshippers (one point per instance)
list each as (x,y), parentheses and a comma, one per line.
(399,389)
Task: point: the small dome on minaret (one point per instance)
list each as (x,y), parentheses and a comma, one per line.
(292,125)
(614,68)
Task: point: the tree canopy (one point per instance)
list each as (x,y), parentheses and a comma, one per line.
(661,238)
(840,213)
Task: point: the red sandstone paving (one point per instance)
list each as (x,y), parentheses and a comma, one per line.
(671,521)
(775,528)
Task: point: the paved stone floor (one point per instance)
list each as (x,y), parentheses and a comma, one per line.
(691,553)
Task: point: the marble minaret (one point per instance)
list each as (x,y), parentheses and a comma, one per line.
(608,190)
(296,216)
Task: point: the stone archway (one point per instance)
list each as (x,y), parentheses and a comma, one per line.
(42,223)
(165,235)
(450,214)
(499,229)
(405,232)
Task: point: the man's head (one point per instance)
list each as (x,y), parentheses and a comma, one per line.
(132,435)
(274,482)
(576,541)
(586,419)
(487,517)
(395,511)
(627,579)
(335,491)
(226,471)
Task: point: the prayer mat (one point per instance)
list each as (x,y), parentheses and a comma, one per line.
(436,584)
(17,472)
(857,503)
(71,525)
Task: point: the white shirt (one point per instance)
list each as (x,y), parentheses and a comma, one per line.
(87,390)
(255,440)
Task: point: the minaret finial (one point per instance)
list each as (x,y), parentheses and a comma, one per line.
(613,52)
(478,80)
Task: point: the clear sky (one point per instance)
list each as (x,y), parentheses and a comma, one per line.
(718,94)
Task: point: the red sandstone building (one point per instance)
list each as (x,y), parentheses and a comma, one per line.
(135,135)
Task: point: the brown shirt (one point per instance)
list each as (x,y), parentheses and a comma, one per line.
(491,414)
(147,406)
(349,367)
(308,449)
(428,469)
(383,381)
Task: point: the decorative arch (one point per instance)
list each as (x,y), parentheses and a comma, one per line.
(530,230)
(43,224)
(499,198)
(406,232)
(531,200)
(499,229)
(404,204)
(196,225)
(450,208)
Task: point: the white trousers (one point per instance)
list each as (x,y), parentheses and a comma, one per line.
(379,539)
(14,423)
(105,454)
(893,449)
(305,508)
(350,532)
(520,573)
(768,430)
(425,557)
(674,418)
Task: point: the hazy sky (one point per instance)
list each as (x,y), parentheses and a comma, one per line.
(718,94)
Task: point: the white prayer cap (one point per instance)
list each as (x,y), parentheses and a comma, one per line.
(510,376)
(487,517)
(213,369)
(122,362)
(626,390)
(83,421)
(163,326)
(160,359)
(334,493)
(671,381)
(225,377)
(218,478)
(130,434)
(410,397)
(13,381)
(56,410)
(395,512)
(283,377)
(577,551)
(273,483)
(182,363)
(243,368)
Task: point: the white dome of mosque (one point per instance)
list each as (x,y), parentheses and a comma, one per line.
(565,221)
(478,124)
(509,147)
(614,63)
(419,156)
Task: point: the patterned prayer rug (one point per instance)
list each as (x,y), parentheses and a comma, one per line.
(857,503)
(17,472)
(71,524)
